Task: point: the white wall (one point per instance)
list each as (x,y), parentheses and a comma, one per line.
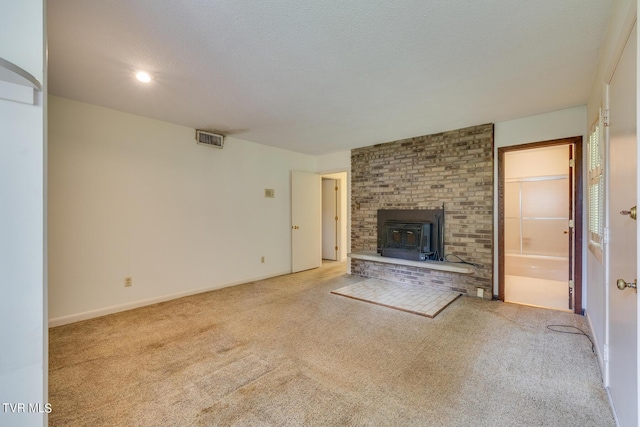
(135,197)
(622,18)
(22,43)
(335,162)
(23,349)
(542,127)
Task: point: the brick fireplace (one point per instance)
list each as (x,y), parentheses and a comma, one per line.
(453,168)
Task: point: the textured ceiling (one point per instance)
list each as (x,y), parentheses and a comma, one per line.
(325,76)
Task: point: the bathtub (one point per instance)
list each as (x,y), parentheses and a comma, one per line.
(538,267)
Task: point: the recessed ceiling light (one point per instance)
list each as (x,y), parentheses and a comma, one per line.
(143,76)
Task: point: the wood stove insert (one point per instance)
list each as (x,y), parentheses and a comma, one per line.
(414,234)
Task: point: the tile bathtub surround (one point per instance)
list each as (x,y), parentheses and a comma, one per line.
(414,299)
(454,168)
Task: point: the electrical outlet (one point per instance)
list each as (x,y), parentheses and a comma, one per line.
(480,292)
(262,260)
(128,281)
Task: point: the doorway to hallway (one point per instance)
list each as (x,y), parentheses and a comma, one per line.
(334,216)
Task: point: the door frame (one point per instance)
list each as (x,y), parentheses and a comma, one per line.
(343,176)
(578,214)
(335,215)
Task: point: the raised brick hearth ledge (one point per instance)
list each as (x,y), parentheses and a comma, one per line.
(454,267)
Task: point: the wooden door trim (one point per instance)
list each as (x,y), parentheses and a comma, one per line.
(577,196)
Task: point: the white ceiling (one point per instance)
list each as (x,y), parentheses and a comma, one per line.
(325,76)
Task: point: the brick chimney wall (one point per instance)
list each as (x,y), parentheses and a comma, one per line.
(454,168)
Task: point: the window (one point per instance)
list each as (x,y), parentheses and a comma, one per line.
(596,186)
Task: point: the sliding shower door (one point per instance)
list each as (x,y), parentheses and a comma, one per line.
(538,228)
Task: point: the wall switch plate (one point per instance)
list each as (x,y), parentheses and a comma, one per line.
(269,193)
(128,281)
(480,292)
(262,260)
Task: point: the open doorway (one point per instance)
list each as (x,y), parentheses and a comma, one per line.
(334,216)
(540,221)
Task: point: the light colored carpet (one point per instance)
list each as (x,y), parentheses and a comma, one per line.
(286,352)
(408,297)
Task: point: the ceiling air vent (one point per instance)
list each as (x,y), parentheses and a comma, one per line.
(210,139)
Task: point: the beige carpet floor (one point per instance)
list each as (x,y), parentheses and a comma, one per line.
(287,352)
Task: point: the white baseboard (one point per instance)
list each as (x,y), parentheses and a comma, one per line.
(65,320)
(596,344)
(602,366)
(613,408)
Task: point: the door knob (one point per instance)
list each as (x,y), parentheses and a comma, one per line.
(295,227)
(622,284)
(631,212)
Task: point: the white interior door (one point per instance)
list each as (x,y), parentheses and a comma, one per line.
(329,219)
(306,221)
(622,255)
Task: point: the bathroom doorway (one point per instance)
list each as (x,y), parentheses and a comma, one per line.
(540,224)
